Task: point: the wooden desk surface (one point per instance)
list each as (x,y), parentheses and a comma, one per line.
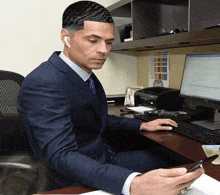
(70,190)
(183,145)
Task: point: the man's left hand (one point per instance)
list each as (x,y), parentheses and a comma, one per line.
(159,124)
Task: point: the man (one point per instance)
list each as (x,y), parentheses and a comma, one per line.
(66,118)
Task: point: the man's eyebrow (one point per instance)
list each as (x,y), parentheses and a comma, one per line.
(98,37)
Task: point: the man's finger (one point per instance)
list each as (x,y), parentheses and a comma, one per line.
(174,172)
(169,122)
(168,128)
(192,175)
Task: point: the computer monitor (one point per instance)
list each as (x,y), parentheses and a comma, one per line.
(201,86)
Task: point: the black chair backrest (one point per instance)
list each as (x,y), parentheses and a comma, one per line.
(18,175)
(10,83)
(7,75)
(13,136)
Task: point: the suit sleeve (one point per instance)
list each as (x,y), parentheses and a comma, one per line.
(46,113)
(128,125)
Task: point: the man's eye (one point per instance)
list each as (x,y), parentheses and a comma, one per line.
(92,41)
(109,42)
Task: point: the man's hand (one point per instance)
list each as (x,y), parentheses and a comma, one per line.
(164,181)
(156,125)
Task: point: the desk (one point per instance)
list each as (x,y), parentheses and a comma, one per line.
(185,146)
(181,144)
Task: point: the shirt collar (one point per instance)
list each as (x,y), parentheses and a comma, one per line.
(82,73)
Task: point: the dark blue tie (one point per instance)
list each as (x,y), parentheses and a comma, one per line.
(91,84)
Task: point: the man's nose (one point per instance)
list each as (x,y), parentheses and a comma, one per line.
(103,48)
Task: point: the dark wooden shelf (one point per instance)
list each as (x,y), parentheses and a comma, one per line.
(166,2)
(186,39)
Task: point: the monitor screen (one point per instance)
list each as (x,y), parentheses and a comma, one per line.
(201,77)
(201,80)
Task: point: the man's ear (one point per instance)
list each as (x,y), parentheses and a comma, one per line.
(65,37)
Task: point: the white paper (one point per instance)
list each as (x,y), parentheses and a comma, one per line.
(205,185)
(97,192)
(140,108)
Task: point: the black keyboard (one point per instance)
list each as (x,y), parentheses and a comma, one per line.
(188,129)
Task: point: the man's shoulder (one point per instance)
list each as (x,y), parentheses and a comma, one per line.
(46,71)
(42,71)
(48,67)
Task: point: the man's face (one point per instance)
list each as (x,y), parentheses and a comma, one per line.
(91,46)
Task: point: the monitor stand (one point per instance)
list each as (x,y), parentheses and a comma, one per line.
(212,124)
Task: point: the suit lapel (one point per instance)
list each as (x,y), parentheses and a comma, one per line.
(97,100)
(77,82)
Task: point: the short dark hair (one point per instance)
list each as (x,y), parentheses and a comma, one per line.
(75,15)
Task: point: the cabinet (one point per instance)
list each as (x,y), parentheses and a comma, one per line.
(152,21)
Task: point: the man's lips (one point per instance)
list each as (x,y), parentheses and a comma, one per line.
(97,59)
(100,60)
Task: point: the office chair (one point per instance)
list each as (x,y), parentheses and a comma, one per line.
(11,128)
(20,172)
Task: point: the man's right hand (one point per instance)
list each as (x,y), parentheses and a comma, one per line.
(164,181)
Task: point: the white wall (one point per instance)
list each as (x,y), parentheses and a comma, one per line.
(30,33)
(118,72)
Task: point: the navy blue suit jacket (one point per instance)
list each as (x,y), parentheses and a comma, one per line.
(65,122)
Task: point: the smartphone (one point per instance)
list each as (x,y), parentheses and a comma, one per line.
(202,163)
(126,111)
